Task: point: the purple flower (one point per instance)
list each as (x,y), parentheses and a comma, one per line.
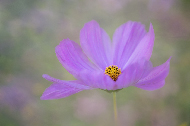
(100,63)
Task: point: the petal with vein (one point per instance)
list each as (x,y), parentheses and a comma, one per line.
(144,48)
(96,44)
(97,79)
(72,58)
(125,40)
(132,73)
(156,77)
(62,89)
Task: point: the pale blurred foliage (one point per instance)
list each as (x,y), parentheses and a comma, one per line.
(29,33)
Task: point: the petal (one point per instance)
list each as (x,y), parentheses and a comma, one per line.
(74,85)
(62,89)
(144,48)
(56,91)
(125,40)
(154,85)
(132,73)
(155,79)
(96,44)
(97,79)
(72,58)
(129,76)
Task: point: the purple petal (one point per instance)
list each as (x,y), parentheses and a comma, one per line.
(155,79)
(56,91)
(62,89)
(96,44)
(125,40)
(129,76)
(144,48)
(152,86)
(132,73)
(97,79)
(69,83)
(49,78)
(72,58)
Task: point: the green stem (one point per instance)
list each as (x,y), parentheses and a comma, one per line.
(115,108)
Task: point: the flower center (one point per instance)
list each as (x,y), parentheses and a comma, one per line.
(113,71)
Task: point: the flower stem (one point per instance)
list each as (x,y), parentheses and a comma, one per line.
(115,108)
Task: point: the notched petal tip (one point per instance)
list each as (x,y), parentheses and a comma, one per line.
(167,63)
(64,41)
(151,27)
(151,30)
(49,78)
(91,22)
(169,59)
(45,75)
(44,98)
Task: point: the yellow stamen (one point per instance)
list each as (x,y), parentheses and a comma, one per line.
(113,71)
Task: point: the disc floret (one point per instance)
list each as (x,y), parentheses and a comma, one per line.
(113,71)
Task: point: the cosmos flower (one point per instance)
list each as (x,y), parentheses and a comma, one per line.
(100,63)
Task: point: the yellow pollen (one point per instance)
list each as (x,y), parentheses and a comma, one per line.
(113,71)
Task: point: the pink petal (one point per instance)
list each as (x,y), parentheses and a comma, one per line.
(154,86)
(132,73)
(69,83)
(125,40)
(56,91)
(96,44)
(62,89)
(72,58)
(97,79)
(144,48)
(155,78)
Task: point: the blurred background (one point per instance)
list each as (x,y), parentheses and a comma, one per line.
(31,29)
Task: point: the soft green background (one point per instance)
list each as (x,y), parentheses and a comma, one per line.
(31,29)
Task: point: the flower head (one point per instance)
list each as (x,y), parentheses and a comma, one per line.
(100,63)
